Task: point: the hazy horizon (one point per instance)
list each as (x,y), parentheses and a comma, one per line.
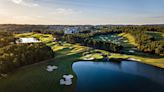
(82,12)
(77,24)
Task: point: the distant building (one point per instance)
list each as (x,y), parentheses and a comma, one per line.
(56,27)
(71,30)
(27,40)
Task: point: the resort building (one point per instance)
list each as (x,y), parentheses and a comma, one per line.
(27,40)
(71,30)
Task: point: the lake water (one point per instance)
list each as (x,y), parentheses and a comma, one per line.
(125,76)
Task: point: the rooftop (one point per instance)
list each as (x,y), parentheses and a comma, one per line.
(27,40)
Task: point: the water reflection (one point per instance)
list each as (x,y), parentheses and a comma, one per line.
(124,76)
(144,70)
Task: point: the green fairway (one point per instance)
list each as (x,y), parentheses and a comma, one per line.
(35,78)
(130,38)
(114,38)
(151,60)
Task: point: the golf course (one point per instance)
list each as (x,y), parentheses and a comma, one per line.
(35,78)
(81,45)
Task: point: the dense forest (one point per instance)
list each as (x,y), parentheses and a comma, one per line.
(13,55)
(6,38)
(148,43)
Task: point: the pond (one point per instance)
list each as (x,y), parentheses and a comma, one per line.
(126,76)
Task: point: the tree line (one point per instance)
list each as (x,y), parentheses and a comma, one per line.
(18,55)
(13,56)
(148,43)
(6,38)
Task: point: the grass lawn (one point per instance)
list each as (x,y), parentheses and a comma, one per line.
(35,78)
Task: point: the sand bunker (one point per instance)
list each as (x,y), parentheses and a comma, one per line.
(68,76)
(133,59)
(3,76)
(51,68)
(89,58)
(125,41)
(67,80)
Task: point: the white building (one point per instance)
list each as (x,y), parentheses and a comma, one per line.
(71,30)
(27,40)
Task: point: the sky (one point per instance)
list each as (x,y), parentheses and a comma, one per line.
(81,12)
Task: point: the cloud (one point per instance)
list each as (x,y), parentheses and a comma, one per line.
(28,3)
(64,11)
(17,1)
